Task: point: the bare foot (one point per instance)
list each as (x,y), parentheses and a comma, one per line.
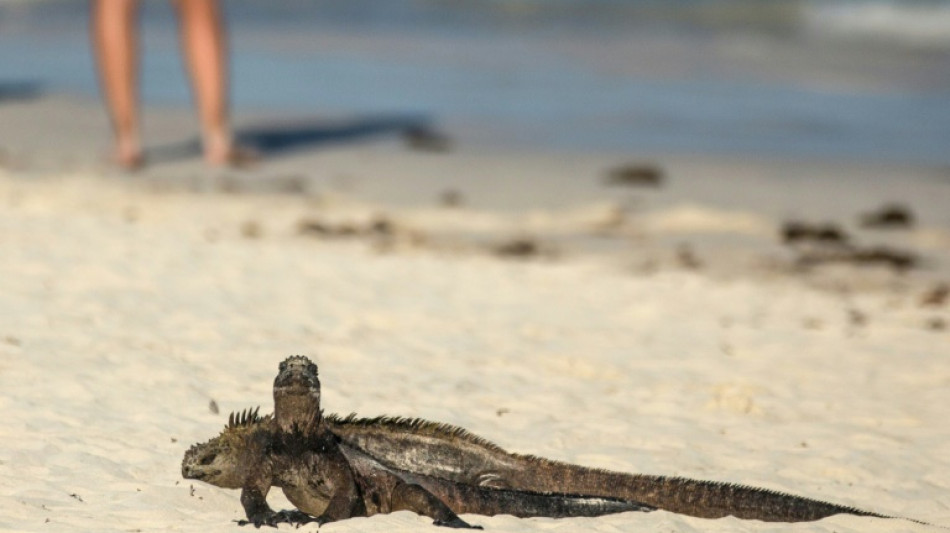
(229,155)
(128,155)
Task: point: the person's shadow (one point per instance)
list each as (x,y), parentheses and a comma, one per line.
(276,140)
(279,139)
(20,90)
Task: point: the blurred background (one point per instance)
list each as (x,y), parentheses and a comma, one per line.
(840,79)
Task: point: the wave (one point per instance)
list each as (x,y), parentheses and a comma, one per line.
(919,23)
(916,22)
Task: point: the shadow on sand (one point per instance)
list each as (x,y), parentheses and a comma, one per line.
(20,90)
(273,140)
(279,139)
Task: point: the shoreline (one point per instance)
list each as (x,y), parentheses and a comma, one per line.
(470,197)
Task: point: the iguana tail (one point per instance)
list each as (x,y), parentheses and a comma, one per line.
(705,499)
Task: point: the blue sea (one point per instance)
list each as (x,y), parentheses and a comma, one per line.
(849,80)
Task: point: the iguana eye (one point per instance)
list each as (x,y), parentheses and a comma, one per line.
(208,459)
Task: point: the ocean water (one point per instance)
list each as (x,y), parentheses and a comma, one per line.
(854,80)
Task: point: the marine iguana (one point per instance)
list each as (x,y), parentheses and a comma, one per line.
(323,477)
(446,452)
(451,452)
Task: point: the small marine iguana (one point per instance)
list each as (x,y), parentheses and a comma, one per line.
(441,451)
(229,459)
(323,477)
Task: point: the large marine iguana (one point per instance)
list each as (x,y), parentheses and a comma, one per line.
(323,477)
(451,453)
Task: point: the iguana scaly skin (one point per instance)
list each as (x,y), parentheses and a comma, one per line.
(294,450)
(450,452)
(223,461)
(415,447)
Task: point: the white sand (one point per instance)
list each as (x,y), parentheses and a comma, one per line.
(126,310)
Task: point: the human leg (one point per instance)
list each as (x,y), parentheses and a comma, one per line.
(204,45)
(115,41)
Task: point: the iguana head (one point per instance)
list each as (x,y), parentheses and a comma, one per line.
(297,375)
(296,393)
(217,461)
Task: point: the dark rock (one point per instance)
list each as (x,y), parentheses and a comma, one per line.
(936,297)
(521,247)
(425,139)
(636,175)
(890,216)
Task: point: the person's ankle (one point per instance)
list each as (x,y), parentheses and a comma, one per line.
(221,150)
(217,149)
(128,154)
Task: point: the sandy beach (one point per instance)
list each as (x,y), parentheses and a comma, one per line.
(656,329)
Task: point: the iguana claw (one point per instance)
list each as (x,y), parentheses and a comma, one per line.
(293,517)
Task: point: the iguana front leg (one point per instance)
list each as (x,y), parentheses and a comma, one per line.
(412,497)
(254,500)
(256,508)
